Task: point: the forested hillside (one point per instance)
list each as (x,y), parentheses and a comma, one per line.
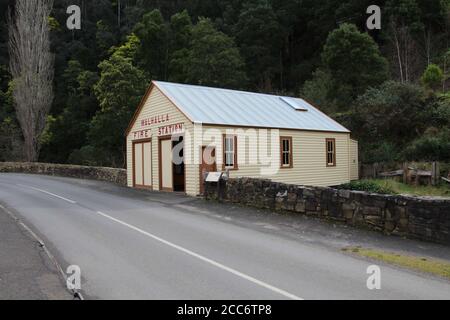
(389,86)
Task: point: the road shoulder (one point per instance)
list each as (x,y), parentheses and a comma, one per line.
(26,272)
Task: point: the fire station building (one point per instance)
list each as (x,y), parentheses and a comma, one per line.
(180,132)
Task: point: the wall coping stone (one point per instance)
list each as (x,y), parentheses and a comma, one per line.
(114,175)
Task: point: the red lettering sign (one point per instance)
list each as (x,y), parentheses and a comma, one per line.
(155,120)
(171,129)
(143,134)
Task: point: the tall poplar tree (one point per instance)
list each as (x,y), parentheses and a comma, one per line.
(31,65)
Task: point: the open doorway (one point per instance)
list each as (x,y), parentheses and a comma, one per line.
(179,173)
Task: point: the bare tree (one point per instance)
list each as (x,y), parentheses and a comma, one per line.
(405,56)
(31,65)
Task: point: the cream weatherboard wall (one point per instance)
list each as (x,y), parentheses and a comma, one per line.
(309,158)
(157,104)
(147,149)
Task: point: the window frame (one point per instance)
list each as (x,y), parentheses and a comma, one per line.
(328,152)
(282,153)
(224,152)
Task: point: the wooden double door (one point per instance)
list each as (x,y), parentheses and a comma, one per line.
(142,164)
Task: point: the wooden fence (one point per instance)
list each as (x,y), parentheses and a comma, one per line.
(417,173)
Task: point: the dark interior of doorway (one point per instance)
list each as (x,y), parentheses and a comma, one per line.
(178,168)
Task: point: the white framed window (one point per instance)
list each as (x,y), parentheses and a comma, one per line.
(230,152)
(331,152)
(286,152)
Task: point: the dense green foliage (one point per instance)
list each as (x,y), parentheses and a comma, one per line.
(354,62)
(389,86)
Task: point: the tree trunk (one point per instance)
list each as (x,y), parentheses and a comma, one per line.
(405,54)
(119,13)
(31,65)
(398,51)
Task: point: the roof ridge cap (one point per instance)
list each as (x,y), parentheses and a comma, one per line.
(225,89)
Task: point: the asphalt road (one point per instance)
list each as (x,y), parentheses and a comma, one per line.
(134,245)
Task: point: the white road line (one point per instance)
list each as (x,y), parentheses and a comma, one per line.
(49,193)
(207,260)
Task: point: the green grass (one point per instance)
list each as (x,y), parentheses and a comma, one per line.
(401,188)
(390,186)
(432,266)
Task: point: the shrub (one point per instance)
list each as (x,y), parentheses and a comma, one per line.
(433,146)
(383,151)
(432,77)
(368,186)
(88,156)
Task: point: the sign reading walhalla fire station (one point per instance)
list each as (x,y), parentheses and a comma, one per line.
(147,133)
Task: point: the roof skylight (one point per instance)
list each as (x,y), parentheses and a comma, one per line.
(296,104)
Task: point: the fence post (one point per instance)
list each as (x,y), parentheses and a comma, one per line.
(405,172)
(435,173)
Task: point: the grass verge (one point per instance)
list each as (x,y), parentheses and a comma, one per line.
(390,186)
(432,266)
(401,188)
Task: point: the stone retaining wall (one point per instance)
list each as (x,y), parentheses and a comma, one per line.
(414,217)
(118,176)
